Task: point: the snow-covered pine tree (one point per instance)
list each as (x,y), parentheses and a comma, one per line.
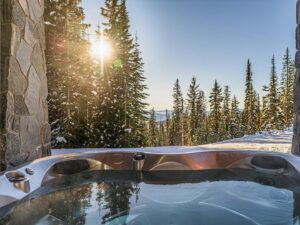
(153,134)
(161,134)
(249,103)
(121,116)
(192,94)
(201,123)
(167,127)
(107,118)
(215,123)
(275,116)
(56,35)
(125,75)
(176,122)
(287,88)
(264,120)
(225,118)
(184,124)
(68,96)
(137,115)
(235,127)
(257,112)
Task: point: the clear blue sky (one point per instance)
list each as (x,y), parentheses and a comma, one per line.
(209,39)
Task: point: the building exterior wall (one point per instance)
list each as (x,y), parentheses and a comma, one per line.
(24,127)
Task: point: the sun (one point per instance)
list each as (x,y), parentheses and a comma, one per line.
(101,49)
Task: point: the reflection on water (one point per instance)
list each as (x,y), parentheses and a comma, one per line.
(116,199)
(135,202)
(70,204)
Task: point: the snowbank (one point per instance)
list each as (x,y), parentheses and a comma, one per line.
(278,141)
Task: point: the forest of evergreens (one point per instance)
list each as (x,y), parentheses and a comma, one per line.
(199,120)
(88,108)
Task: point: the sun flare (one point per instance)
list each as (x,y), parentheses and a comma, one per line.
(101,49)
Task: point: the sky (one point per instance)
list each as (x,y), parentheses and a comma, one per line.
(208,39)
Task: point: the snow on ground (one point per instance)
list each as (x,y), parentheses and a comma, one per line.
(278,141)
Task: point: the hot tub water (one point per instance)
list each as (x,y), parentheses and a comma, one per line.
(210,197)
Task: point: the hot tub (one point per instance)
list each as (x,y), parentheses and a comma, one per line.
(143,188)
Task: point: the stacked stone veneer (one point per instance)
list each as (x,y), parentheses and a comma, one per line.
(24,128)
(296,137)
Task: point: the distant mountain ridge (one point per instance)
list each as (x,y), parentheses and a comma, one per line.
(160,115)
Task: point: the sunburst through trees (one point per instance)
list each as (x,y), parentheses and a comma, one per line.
(97,91)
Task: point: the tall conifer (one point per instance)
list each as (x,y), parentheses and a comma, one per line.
(287,88)
(201,115)
(176,127)
(69,73)
(192,110)
(153,134)
(215,101)
(275,113)
(249,103)
(226,113)
(121,115)
(235,127)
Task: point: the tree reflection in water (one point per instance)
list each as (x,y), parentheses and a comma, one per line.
(114,198)
(68,205)
(71,205)
(92,203)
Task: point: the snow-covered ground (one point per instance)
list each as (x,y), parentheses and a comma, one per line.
(279,141)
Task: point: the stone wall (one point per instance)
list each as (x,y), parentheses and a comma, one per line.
(24,128)
(296,137)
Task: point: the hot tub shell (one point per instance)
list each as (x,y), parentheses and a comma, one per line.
(17,183)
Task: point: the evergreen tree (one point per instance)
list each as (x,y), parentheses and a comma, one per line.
(162,134)
(121,117)
(125,74)
(192,110)
(258,112)
(265,109)
(184,124)
(152,130)
(69,75)
(215,101)
(275,114)
(112,119)
(226,113)
(235,126)
(205,132)
(137,115)
(176,124)
(287,88)
(249,104)
(201,123)
(167,128)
